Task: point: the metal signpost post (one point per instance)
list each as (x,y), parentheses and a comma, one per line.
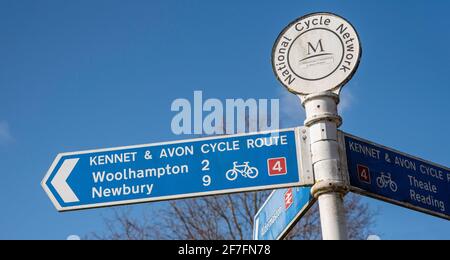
(281,212)
(199,167)
(314,57)
(396,177)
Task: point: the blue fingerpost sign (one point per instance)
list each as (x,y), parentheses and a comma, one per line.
(282,210)
(173,170)
(396,177)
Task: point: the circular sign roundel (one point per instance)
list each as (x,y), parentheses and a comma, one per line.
(316,53)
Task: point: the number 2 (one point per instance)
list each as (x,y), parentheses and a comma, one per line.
(205,164)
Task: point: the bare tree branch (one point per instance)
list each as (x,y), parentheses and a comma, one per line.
(218,218)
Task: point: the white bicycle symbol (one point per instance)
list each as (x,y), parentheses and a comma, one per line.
(385,180)
(244,169)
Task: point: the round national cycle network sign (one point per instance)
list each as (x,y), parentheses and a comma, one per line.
(316,53)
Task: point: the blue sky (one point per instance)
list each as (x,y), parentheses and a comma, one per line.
(78,75)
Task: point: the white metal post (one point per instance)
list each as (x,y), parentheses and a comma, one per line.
(315,62)
(330,186)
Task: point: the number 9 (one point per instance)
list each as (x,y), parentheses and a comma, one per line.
(206,180)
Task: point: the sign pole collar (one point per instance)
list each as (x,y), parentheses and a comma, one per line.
(321,106)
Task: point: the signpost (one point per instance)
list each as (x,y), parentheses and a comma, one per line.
(314,57)
(282,210)
(396,177)
(174,170)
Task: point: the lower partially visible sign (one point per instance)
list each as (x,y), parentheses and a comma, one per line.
(282,210)
(395,177)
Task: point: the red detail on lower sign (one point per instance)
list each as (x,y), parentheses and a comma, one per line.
(364,174)
(277,166)
(288,198)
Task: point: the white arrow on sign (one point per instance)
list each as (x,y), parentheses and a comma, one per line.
(59,182)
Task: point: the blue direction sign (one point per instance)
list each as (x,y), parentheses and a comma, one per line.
(163,171)
(282,210)
(396,177)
